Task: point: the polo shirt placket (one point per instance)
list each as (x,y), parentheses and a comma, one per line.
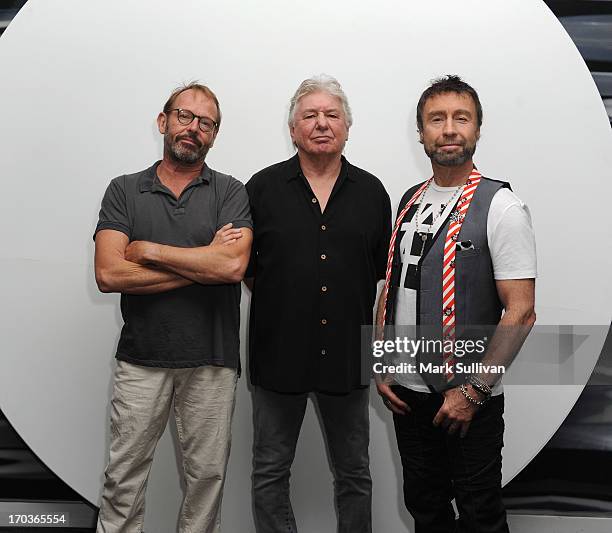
(193,325)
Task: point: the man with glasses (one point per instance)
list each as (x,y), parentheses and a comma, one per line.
(174,240)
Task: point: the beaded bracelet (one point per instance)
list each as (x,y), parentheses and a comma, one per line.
(465,392)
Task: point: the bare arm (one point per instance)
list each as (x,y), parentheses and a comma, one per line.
(517,297)
(114,273)
(390,399)
(222,261)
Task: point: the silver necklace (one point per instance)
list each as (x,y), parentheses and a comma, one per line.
(424,234)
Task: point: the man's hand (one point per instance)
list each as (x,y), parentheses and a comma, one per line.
(391,400)
(224,260)
(147,253)
(116,273)
(456,412)
(227,235)
(142,252)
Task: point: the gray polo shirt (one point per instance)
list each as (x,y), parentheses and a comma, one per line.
(194,325)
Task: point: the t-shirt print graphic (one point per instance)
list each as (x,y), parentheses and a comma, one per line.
(412,244)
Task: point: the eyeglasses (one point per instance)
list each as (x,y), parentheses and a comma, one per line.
(185,117)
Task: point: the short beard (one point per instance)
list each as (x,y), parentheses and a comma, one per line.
(184,155)
(451,160)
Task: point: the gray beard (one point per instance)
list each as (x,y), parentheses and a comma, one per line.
(184,155)
(181,154)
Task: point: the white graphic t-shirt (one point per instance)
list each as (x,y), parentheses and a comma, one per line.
(509,235)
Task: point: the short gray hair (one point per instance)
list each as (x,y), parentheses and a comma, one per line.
(193,86)
(321,83)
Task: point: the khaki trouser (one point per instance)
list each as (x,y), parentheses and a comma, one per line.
(203,407)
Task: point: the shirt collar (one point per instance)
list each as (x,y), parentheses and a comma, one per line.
(149,182)
(295,171)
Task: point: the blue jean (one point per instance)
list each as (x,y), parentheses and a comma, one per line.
(438,467)
(278,418)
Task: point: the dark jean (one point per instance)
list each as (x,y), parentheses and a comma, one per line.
(277,419)
(438,467)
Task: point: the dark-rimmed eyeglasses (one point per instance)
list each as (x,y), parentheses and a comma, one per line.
(185,117)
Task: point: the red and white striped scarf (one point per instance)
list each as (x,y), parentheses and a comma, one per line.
(457,217)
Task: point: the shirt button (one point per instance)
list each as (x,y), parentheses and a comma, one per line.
(323,321)
(314,200)
(323,352)
(324,288)
(324,257)
(323,227)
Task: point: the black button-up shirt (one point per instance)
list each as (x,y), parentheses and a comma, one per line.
(315,276)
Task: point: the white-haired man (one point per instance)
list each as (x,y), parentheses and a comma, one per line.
(322,227)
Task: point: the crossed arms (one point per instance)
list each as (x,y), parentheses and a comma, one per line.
(142,267)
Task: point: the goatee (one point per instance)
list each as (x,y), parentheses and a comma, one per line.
(451,159)
(184,154)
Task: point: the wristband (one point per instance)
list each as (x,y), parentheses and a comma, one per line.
(480,385)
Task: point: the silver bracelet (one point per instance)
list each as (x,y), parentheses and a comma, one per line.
(480,385)
(465,392)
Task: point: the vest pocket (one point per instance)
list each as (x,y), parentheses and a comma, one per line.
(460,254)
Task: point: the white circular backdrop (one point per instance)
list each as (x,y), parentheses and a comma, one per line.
(82,85)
